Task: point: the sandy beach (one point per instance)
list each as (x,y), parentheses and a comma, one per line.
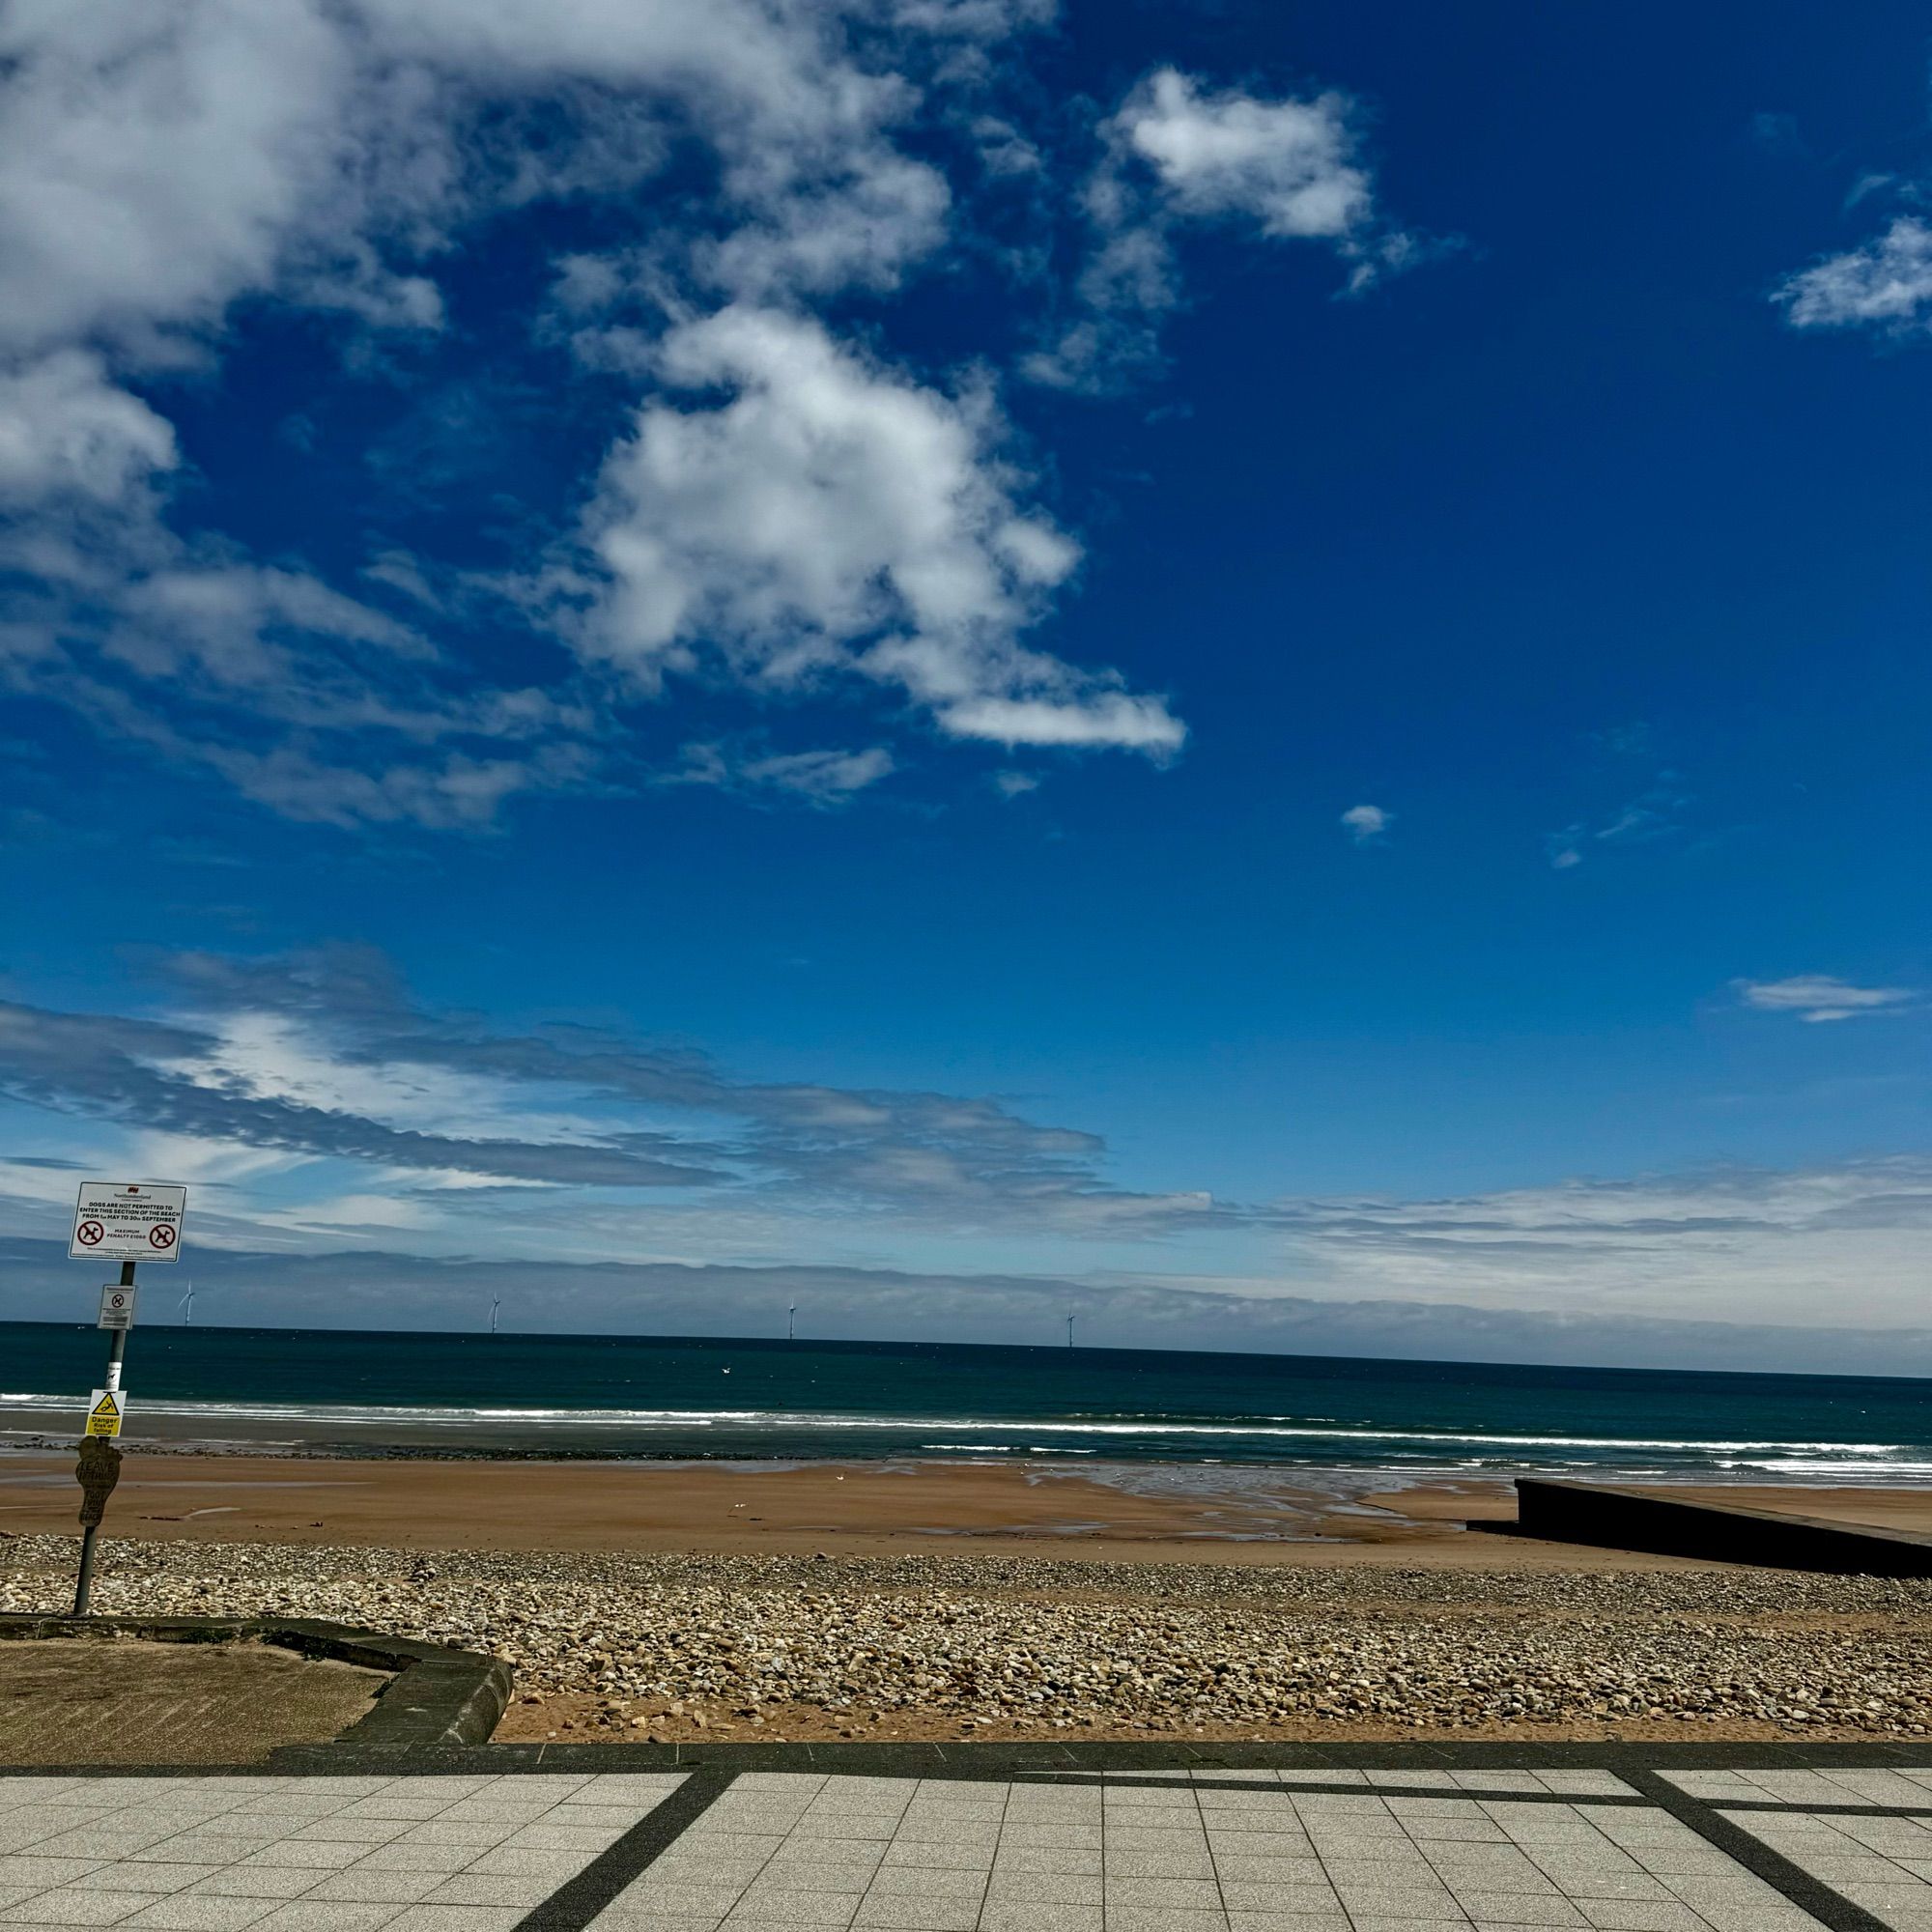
(1177,1512)
(946,1600)
(1192,1513)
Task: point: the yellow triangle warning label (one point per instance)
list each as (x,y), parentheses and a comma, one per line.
(103,1413)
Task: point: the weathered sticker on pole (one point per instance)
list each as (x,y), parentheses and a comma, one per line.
(123,1221)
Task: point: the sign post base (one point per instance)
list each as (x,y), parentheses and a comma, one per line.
(99,1468)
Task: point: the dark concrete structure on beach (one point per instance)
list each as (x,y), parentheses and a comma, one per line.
(1646,1519)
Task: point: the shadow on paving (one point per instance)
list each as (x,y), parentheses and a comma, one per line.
(508,1844)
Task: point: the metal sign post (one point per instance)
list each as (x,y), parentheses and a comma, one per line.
(103,1420)
(121,1222)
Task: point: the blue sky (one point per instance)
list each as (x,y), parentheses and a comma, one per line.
(1255,668)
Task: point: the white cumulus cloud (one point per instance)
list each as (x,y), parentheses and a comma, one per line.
(1818,996)
(67,430)
(804,511)
(1290,166)
(155,161)
(1886,284)
(1366,822)
(1179,152)
(787,507)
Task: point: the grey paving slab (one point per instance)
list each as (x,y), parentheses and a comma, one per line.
(1881,1864)
(1185,1855)
(1725,1848)
(306,1855)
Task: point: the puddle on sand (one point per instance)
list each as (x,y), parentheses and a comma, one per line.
(1239,1502)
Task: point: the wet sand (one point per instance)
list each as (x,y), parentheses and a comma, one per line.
(860,1508)
(1236,1515)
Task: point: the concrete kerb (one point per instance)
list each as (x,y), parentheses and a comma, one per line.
(435,1696)
(1000,1761)
(353,1757)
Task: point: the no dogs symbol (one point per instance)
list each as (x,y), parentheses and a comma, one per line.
(159,1236)
(88,1234)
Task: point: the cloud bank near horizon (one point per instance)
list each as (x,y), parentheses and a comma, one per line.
(322,1116)
(379,1291)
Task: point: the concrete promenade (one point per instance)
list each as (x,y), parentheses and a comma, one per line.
(1763,1844)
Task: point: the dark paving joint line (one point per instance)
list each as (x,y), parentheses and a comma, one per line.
(1810,1895)
(574,1905)
(1127,1781)
(1850,1810)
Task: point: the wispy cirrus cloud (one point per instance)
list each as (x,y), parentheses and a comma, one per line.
(820,777)
(324,1058)
(318,1109)
(1642,799)
(1820,995)
(194,1084)
(1721,1242)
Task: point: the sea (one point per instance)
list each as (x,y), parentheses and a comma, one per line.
(690,1397)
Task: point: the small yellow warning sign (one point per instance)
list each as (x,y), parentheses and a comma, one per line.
(103,1413)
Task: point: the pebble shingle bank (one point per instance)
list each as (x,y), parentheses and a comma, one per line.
(1063,1644)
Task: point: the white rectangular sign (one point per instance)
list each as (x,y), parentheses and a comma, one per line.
(117,1307)
(117,1221)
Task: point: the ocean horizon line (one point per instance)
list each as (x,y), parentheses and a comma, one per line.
(345,1391)
(1056,1350)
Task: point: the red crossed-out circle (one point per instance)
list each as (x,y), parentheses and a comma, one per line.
(89,1233)
(161,1236)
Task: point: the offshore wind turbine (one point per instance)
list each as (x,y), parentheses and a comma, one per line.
(186,1306)
(496,1302)
(791,1323)
(1069,1332)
